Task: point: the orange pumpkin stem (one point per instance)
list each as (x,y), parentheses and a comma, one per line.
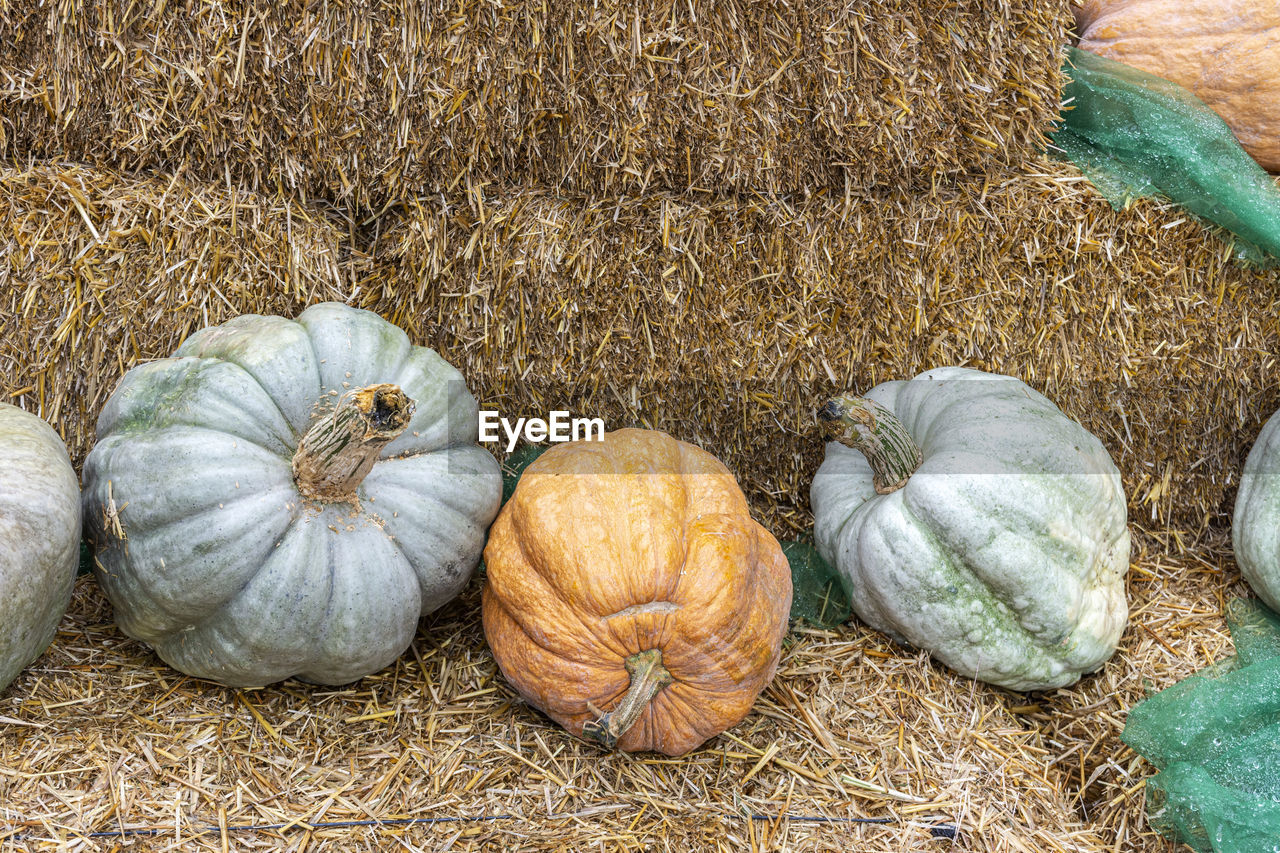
(338,450)
(648,676)
(869,427)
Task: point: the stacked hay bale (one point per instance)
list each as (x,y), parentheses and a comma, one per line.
(727,322)
(401,113)
(99,271)
(376,100)
(724,322)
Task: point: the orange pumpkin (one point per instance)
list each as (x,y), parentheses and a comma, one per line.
(1225,51)
(630,595)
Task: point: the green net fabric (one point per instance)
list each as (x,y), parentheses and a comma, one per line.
(513,466)
(1134,134)
(1215,738)
(817,596)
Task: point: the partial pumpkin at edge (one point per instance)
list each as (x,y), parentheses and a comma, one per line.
(1227,52)
(39,537)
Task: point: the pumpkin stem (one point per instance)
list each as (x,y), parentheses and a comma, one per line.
(648,676)
(338,450)
(869,427)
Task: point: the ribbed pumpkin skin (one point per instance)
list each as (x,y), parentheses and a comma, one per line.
(1005,553)
(224,568)
(608,549)
(1255,526)
(39,537)
(1225,51)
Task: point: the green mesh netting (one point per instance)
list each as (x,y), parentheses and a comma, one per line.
(515,463)
(817,596)
(1254,629)
(1134,134)
(1215,738)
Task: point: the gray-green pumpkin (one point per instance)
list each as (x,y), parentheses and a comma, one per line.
(968,516)
(39,537)
(288,497)
(1255,526)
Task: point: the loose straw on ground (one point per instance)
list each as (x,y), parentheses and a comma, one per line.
(99,737)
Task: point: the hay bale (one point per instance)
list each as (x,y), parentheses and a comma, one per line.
(376,100)
(98,272)
(728,322)
(724,322)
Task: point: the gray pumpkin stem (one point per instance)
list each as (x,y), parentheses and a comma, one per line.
(869,427)
(338,450)
(648,676)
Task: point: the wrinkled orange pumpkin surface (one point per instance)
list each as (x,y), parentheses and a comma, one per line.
(1225,51)
(609,549)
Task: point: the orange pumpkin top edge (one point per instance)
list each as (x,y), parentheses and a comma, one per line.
(1224,51)
(609,549)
